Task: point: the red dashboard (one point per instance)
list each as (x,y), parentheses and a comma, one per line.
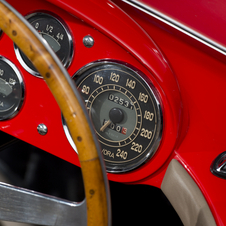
(188,78)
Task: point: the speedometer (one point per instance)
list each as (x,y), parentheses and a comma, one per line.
(125,111)
(54,32)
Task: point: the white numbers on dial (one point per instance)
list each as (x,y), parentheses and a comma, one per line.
(114,77)
(137,147)
(49,28)
(60,36)
(36,25)
(146,133)
(121,154)
(98,79)
(85,89)
(130,83)
(148,115)
(143,97)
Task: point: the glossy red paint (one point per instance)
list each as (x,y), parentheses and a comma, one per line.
(189,80)
(201,78)
(206,17)
(118,43)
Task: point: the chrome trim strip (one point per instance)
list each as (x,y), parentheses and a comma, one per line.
(68,135)
(177,25)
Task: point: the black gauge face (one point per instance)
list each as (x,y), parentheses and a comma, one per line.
(11,89)
(53,32)
(125,112)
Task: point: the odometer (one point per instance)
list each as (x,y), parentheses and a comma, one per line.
(125,112)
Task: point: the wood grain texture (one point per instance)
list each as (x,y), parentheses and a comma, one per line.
(70,107)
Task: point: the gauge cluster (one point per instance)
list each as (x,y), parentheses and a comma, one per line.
(122,103)
(123,96)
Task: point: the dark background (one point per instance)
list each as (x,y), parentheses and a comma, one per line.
(29,167)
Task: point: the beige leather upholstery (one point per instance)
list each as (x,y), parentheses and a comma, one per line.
(186,197)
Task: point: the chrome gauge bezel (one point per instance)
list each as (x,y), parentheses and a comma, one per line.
(18,106)
(68,135)
(125,166)
(70,53)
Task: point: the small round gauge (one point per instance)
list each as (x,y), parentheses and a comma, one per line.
(11,89)
(125,112)
(55,33)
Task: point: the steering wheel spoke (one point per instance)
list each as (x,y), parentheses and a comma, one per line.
(26,206)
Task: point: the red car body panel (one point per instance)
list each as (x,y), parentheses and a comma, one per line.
(189,77)
(206,17)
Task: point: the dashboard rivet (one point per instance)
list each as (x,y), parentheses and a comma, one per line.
(88,41)
(42,129)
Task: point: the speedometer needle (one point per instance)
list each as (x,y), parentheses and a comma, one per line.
(105,125)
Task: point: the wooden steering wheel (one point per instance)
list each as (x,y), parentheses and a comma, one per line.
(79,124)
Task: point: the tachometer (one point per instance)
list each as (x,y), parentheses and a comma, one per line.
(125,112)
(55,33)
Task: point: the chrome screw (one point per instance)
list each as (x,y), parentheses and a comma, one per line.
(42,129)
(88,41)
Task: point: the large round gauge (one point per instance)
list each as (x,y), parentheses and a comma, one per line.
(55,33)
(11,89)
(125,112)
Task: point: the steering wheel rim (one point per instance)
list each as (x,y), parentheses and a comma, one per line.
(72,107)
